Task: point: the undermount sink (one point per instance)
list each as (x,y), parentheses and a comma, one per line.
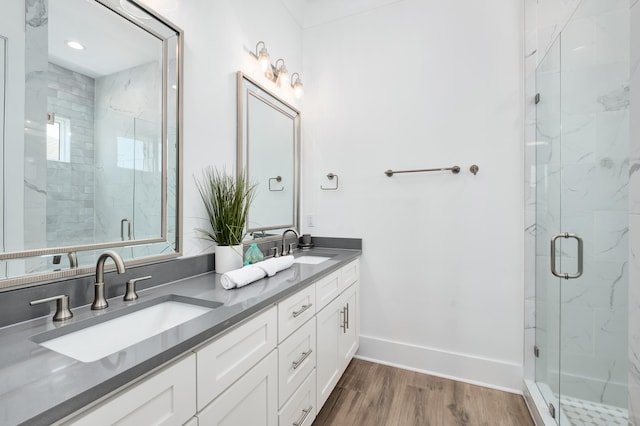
(98,337)
(311,260)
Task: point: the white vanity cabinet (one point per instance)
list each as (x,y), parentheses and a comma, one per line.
(278,367)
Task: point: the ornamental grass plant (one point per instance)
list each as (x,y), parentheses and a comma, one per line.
(226,200)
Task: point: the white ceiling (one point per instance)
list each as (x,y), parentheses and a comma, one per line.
(310,13)
(112,43)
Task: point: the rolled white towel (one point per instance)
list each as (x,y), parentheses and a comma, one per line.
(275,264)
(241,277)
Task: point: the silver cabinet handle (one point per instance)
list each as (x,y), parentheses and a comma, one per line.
(343,326)
(300,360)
(347,315)
(303,308)
(566,276)
(62,306)
(305,414)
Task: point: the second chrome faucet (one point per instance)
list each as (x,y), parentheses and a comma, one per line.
(99,302)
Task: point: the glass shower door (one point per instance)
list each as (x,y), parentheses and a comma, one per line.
(582,168)
(548,204)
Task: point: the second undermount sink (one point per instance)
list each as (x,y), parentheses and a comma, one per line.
(98,337)
(311,260)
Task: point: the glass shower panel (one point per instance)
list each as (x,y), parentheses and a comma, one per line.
(147,187)
(548,163)
(595,171)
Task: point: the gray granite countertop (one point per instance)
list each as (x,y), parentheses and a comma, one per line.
(39,386)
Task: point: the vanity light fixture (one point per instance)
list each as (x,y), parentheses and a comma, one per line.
(277,73)
(264,60)
(282,75)
(74,44)
(296,84)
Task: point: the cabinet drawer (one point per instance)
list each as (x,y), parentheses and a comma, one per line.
(251,401)
(301,410)
(327,289)
(350,274)
(224,360)
(296,359)
(165,398)
(295,311)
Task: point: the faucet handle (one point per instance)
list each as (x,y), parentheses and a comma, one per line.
(275,251)
(130,293)
(291,248)
(62,306)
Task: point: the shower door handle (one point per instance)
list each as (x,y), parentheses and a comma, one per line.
(566,276)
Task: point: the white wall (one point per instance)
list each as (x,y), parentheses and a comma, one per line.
(413,85)
(218,38)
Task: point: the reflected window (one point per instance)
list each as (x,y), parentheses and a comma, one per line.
(139,155)
(58,139)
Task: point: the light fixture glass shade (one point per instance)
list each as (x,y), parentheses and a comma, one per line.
(296,84)
(298,91)
(264,60)
(283,77)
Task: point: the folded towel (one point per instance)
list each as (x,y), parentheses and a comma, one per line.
(275,264)
(241,277)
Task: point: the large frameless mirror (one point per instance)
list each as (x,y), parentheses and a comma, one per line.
(268,152)
(99,166)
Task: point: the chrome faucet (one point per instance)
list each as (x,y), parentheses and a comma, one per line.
(99,302)
(286,251)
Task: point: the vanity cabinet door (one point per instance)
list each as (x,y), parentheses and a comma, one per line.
(223,361)
(328,329)
(165,398)
(337,341)
(349,341)
(251,401)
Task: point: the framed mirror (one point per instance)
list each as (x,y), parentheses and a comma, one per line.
(100,163)
(269,154)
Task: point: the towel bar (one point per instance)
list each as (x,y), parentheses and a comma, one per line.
(455,170)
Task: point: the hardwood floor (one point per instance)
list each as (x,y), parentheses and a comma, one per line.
(370,394)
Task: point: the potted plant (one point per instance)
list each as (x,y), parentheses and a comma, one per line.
(226,200)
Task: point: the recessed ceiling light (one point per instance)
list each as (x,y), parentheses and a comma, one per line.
(74,44)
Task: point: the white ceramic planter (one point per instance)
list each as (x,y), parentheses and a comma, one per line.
(228,258)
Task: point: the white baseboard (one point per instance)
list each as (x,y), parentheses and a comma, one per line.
(485,372)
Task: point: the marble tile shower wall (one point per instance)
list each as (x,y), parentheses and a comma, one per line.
(634,222)
(587,190)
(70,191)
(124,101)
